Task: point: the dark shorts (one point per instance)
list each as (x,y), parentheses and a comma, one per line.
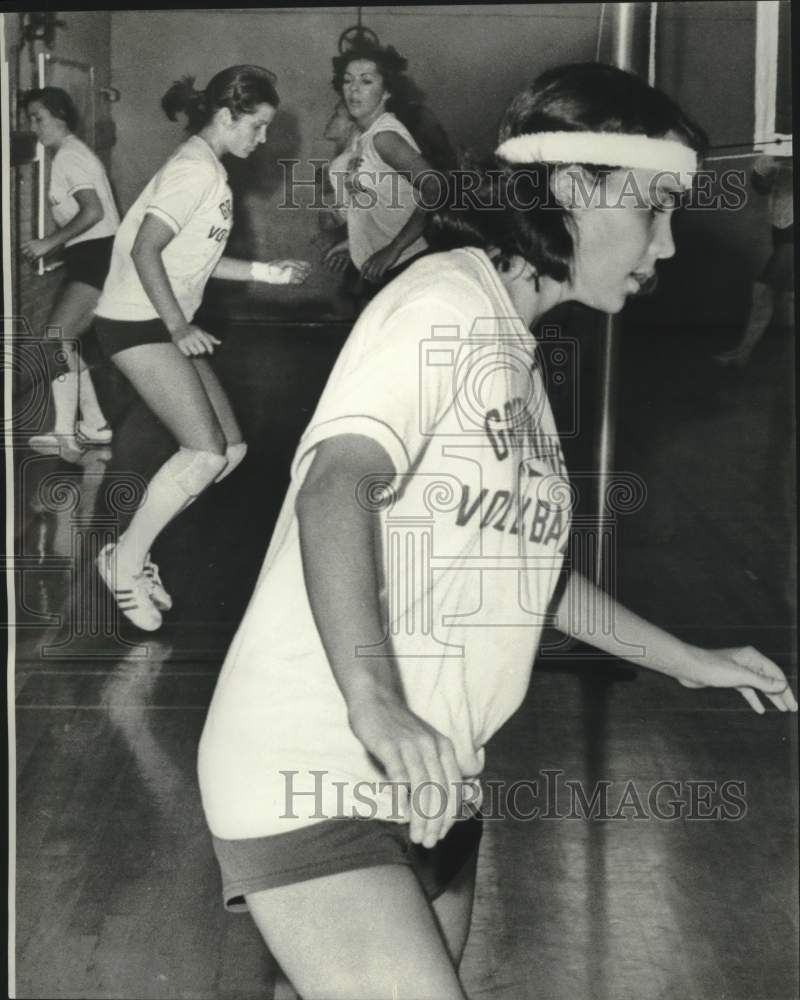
(115,335)
(89,261)
(340,845)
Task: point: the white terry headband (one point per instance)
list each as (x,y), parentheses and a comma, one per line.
(613,149)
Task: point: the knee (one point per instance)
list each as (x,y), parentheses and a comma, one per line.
(214,443)
(234,456)
(196,470)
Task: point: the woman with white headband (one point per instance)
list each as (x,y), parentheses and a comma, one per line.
(399,610)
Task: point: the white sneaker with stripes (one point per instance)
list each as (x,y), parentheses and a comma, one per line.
(131,591)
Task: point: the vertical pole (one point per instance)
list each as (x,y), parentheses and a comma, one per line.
(41,192)
(629,51)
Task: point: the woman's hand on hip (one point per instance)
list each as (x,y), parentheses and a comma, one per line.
(417,756)
(743,668)
(192,341)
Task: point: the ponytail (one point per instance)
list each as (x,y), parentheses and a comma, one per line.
(182,98)
(240,89)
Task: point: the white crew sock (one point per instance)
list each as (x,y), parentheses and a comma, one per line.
(87,400)
(65,401)
(176,484)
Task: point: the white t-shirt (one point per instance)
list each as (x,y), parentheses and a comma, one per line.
(190,194)
(379,200)
(76,168)
(441,373)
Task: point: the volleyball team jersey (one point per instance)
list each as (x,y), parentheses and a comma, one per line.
(76,168)
(379,201)
(440,372)
(190,194)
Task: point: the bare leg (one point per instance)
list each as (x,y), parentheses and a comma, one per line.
(453,910)
(219,401)
(72,315)
(170,384)
(363,935)
(762,303)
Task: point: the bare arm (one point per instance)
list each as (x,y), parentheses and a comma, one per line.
(89,214)
(403,158)
(151,240)
(293,271)
(342,579)
(583,605)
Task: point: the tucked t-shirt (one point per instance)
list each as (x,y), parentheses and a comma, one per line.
(442,374)
(378,200)
(190,194)
(76,168)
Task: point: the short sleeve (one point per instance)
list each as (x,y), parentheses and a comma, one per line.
(384,388)
(76,172)
(388,123)
(180,189)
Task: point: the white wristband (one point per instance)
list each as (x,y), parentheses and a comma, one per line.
(271,273)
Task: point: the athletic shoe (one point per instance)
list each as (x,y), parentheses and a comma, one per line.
(93,435)
(158,593)
(131,591)
(63,445)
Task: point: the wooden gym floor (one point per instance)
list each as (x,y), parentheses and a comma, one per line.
(117,891)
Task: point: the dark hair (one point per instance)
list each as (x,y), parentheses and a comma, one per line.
(57,101)
(405,100)
(239,88)
(583,97)
(392,68)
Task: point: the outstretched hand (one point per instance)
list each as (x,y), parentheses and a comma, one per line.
(745,669)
